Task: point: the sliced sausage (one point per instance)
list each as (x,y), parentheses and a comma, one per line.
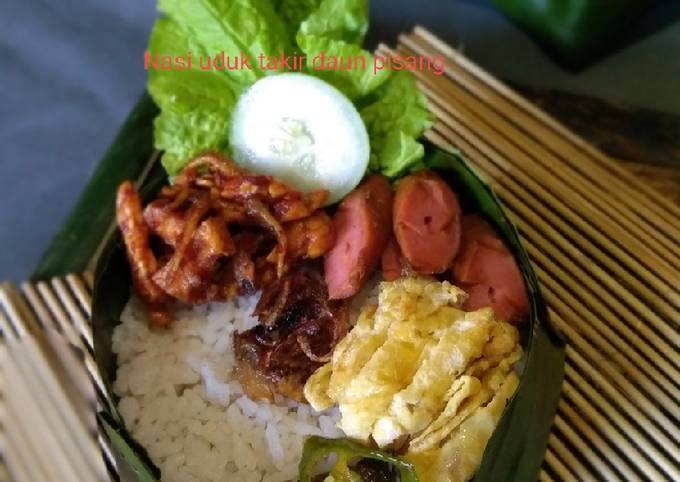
(362,227)
(394,265)
(427,222)
(486,269)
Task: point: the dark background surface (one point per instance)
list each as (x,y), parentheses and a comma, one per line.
(72,69)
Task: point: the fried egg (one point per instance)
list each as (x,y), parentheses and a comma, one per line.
(418,371)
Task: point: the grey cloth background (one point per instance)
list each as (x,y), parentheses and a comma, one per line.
(70,71)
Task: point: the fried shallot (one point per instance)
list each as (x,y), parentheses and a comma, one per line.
(299,327)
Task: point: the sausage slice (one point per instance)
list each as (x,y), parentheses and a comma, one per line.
(394,265)
(363,227)
(486,269)
(427,222)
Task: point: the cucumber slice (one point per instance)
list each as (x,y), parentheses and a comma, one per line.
(303,131)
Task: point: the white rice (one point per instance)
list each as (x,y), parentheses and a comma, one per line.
(179,400)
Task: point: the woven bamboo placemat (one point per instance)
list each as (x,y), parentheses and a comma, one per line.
(606,248)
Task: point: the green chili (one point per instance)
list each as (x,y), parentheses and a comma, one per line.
(576,31)
(318,448)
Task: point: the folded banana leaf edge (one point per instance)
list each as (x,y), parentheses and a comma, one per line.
(516,449)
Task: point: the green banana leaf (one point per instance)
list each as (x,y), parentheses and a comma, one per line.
(517,447)
(80,237)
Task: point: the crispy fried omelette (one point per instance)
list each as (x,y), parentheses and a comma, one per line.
(420,374)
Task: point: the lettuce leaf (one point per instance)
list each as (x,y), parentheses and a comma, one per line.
(196,104)
(337,29)
(395,119)
(250,27)
(345,20)
(185,135)
(294,12)
(399,153)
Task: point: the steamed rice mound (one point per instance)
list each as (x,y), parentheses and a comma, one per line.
(178,400)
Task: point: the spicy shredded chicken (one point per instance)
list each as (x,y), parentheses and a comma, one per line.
(218,232)
(143,262)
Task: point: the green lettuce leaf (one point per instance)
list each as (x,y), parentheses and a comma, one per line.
(394,120)
(248,27)
(294,12)
(345,20)
(185,135)
(195,104)
(336,30)
(401,151)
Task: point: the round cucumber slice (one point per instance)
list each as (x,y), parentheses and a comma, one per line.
(303,131)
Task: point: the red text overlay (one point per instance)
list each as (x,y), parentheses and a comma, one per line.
(294,62)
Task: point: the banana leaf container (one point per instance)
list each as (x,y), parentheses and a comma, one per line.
(89,240)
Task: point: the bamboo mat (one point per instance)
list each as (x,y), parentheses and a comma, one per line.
(605,247)
(51,385)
